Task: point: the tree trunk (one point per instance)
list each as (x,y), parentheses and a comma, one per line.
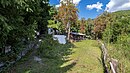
(68,34)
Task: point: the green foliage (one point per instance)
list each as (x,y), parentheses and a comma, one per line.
(123,43)
(47,48)
(116,28)
(89,27)
(76,27)
(117,34)
(120,51)
(107,34)
(50,48)
(54,24)
(18,21)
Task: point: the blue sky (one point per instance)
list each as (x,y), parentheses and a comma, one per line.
(92,8)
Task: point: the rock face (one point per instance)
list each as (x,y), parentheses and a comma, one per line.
(61,38)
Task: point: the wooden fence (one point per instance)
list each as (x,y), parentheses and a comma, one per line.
(113,63)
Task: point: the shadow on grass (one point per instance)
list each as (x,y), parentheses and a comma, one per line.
(53,63)
(53,55)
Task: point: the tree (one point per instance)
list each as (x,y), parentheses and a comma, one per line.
(18,21)
(44,16)
(89,27)
(100,23)
(119,25)
(67,14)
(82,25)
(117,35)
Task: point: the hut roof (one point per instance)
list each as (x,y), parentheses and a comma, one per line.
(75,33)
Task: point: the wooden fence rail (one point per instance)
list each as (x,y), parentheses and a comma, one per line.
(106,60)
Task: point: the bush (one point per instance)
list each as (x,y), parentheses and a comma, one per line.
(48,48)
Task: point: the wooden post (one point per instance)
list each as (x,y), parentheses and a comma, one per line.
(113,64)
(104,57)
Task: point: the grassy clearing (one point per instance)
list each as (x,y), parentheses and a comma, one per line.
(79,57)
(87,53)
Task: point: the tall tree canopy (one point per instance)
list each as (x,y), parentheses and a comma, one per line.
(67,14)
(19,19)
(82,25)
(100,24)
(89,27)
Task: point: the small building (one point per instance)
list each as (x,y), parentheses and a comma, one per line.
(77,36)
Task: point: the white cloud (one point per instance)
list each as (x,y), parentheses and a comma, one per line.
(97,6)
(74,1)
(116,5)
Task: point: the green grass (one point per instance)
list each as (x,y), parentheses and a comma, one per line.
(122,57)
(87,53)
(79,57)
